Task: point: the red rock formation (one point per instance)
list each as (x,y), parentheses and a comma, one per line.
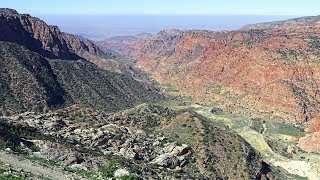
(271,73)
(310,141)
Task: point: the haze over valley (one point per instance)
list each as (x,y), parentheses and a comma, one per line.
(100,27)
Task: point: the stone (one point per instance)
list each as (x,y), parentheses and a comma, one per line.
(156,143)
(79,166)
(121,172)
(183,163)
(181,150)
(178,168)
(165,160)
(128,153)
(169,148)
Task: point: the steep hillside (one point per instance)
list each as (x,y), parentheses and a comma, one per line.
(31,82)
(271,74)
(291,22)
(50,42)
(90,86)
(27,81)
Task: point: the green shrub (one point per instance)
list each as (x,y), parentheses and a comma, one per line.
(108,171)
(9,144)
(35,148)
(130,177)
(10,177)
(216,110)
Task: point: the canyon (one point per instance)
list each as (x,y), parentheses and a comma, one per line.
(179,104)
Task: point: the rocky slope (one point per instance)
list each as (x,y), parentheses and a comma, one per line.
(271,74)
(138,140)
(50,42)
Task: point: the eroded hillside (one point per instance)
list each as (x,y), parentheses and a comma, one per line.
(271,74)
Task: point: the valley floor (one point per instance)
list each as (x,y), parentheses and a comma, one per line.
(97,135)
(277,142)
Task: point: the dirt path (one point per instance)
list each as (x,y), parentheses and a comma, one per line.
(26,165)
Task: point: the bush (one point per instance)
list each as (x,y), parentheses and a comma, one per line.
(130,177)
(35,148)
(9,144)
(216,110)
(108,171)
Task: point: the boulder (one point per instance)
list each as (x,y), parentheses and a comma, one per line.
(128,153)
(121,172)
(166,160)
(180,150)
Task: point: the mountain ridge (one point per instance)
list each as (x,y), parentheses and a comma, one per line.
(294,21)
(44,69)
(272,71)
(50,42)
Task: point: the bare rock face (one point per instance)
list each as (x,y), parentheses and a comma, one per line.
(50,42)
(310,141)
(270,73)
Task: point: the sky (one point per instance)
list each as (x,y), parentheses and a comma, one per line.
(208,7)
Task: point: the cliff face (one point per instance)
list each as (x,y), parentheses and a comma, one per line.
(271,73)
(50,42)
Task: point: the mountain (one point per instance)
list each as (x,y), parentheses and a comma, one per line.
(43,69)
(30,81)
(291,22)
(263,73)
(50,42)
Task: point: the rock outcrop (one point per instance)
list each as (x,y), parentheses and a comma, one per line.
(86,139)
(270,73)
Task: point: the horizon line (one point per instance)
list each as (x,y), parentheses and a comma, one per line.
(170,14)
(160,14)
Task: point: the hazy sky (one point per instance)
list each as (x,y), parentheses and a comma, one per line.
(234,7)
